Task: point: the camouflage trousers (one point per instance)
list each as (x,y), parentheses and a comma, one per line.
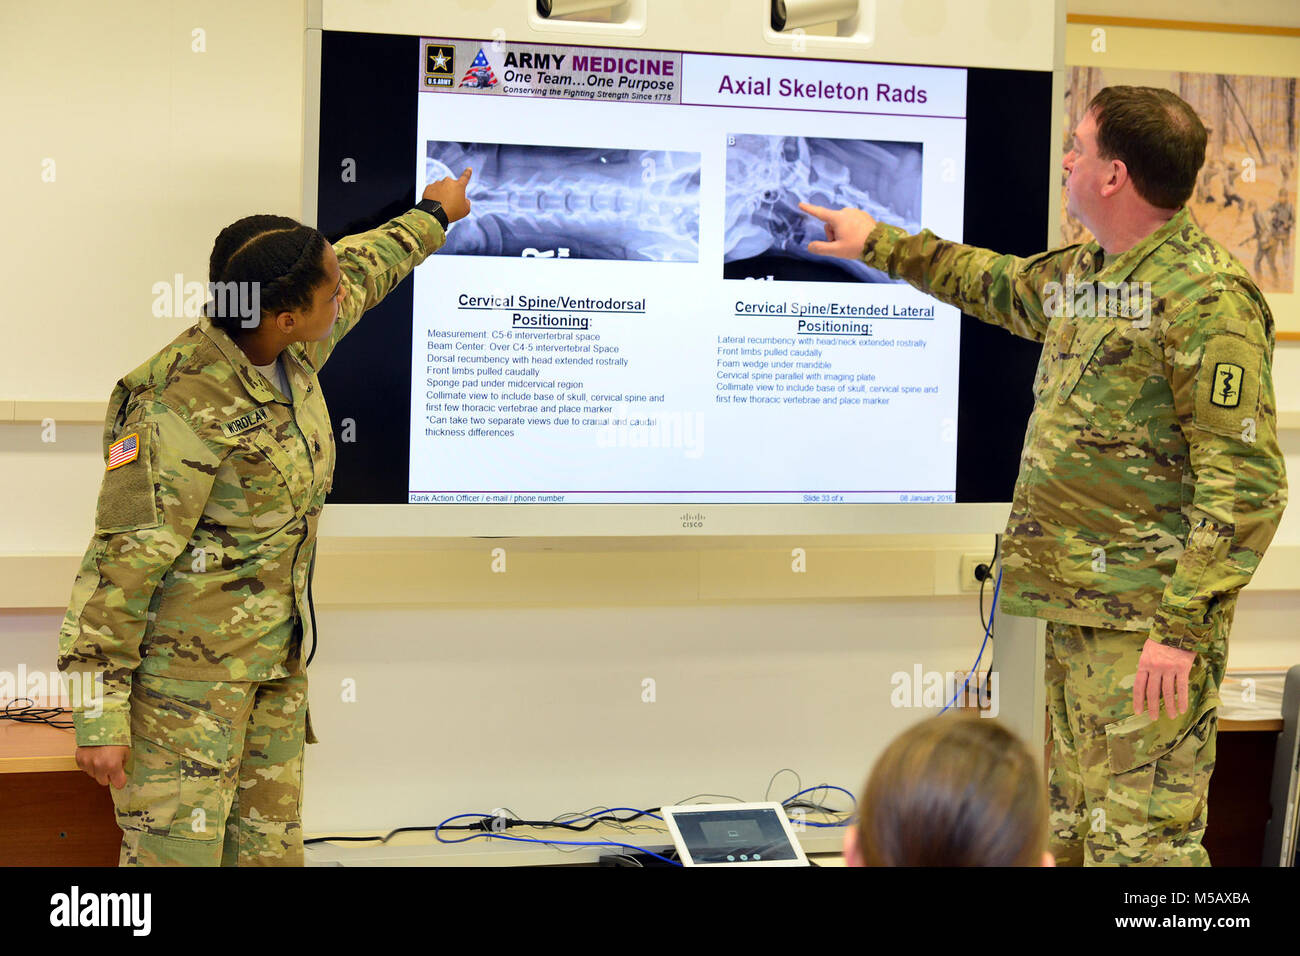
(1126,790)
(214,777)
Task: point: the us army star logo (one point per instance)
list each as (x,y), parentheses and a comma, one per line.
(1227,385)
(439,65)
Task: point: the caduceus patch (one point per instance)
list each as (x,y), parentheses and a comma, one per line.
(1226,391)
(1228,384)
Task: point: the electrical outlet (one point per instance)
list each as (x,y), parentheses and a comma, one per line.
(969,562)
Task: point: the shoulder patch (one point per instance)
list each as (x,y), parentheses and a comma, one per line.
(127,501)
(1227,385)
(244,422)
(1226,390)
(124,451)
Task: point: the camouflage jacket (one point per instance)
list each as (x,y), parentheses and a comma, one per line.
(206,523)
(1151,480)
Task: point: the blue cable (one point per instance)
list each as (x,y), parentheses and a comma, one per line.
(586,816)
(437,833)
(824,786)
(988,628)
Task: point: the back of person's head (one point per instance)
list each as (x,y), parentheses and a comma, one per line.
(1156,135)
(953,791)
(282,258)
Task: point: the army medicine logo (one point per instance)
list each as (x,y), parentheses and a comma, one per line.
(439,65)
(1226,392)
(479,75)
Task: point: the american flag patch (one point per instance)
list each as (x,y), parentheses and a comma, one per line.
(124,451)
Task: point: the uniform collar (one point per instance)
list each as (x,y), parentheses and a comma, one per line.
(1126,262)
(257,387)
(300,377)
(299,355)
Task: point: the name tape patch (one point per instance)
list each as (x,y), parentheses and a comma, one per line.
(244,422)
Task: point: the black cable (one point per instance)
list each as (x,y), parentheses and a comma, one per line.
(311,606)
(984,622)
(820,808)
(489,824)
(382,839)
(984,577)
(31,714)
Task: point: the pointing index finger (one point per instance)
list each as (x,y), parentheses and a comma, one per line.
(821,212)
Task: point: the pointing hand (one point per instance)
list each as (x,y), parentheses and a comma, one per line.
(451,193)
(846,230)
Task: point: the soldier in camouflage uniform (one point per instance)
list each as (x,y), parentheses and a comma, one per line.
(190,602)
(1282,218)
(1266,241)
(1151,480)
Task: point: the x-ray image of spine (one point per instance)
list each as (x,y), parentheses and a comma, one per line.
(767,234)
(574,202)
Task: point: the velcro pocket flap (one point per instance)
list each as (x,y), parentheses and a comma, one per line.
(180,727)
(1089,342)
(1138,740)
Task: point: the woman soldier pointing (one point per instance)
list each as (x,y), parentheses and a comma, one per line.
(187,613)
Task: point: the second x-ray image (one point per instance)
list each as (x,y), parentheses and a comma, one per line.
(767,234)
(573,202)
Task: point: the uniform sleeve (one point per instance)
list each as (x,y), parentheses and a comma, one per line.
(372,264)
(1218,357)
(148,508)
(999,289)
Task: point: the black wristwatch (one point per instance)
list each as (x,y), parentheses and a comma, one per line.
(434,209)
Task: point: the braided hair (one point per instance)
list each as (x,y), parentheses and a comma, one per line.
(282,257)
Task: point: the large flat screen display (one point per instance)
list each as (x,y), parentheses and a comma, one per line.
(630,315)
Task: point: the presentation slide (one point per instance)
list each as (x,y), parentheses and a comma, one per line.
(630,314)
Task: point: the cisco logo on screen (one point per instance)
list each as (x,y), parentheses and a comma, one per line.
(695,520)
